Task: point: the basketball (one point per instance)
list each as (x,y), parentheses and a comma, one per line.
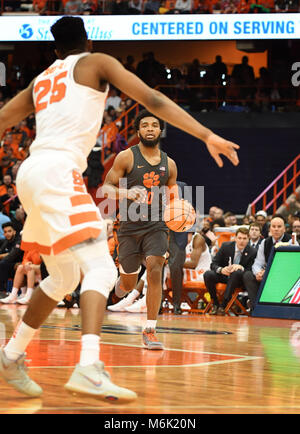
(179,215)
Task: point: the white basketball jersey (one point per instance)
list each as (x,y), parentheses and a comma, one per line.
(68,114)
(205,258)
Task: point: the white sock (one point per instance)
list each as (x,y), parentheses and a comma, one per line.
(23,291)
(17,344)
(90,348)
(133,295)
(29,293)
(14,292)
(150,324)
(118,290)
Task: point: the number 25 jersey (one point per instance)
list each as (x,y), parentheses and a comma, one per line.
(68,114)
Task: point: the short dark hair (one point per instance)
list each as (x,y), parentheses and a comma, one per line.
(69,34)
(7,224)
(243,230)
(146,114)
(256,225)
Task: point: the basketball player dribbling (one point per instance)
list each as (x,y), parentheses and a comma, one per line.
(62,222)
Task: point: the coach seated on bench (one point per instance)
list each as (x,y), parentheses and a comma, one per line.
(228,266)
(253,277)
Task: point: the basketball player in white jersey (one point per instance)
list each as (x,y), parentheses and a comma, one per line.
(198,259)
(62,221)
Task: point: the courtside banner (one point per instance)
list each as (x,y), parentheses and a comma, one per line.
(160,27)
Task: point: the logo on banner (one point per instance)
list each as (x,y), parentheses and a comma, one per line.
(26,31)
(293,296)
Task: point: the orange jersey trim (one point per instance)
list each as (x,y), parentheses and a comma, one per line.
(64,243)
(81,199)
(83,217)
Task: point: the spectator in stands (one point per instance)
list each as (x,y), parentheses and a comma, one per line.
(183,7)
(193,76)
(252,278)
(151,6)
(130,64)
(243,74)
(14,255)
(218,71)
(255,237)
(120,7)
(135,7)
(229,7)
(9,241)
(7,183)
(3,220)
(10,201)
(296,228)
(18,219)
(113,99)
(261,219)
(229,219)
(26,275)
(73,7)
(228,266)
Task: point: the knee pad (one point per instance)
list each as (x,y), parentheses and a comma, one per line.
(62,280)
(99,270)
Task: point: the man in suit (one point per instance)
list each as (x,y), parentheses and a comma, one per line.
(228,266)
(252,278)
(255,237)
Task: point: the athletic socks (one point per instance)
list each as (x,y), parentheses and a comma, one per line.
(150,324)
(90,348)
(19,341)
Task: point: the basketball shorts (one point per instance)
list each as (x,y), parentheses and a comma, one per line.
(60,212)
(133,249)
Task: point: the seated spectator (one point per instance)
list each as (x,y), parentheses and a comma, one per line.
(183,7)
(39,6)
(120,7)
(198,259)
(18,219)
(261,219)
(129,65)
(3,220)
(73,7)
(12,255)
(252,278)
(151,7)
(113,99)
(255,237)
(26,276)
(228,266)
(229,219)
(135,7)
(296,228)
(7,183)
(10,201)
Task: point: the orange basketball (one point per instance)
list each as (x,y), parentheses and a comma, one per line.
(179,215)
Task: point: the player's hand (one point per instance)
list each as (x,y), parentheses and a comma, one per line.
(216,146)
(137,194)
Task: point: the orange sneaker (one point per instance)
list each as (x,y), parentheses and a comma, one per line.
(150,340)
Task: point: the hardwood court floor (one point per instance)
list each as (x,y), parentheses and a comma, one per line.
(210,364)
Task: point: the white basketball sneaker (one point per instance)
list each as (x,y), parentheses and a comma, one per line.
(10,299)
(138,307)
(95,381)
(120,306)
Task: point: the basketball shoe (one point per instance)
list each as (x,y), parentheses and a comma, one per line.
(14,373)
(150,340)
(10,299)
(138,307)
(121,305)
(95,381)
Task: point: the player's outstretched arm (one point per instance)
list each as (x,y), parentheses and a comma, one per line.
(17,109)
(157,103)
